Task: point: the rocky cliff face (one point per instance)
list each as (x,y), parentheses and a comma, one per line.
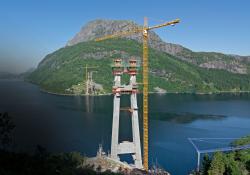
(234,67)
(99,28)
(212,60)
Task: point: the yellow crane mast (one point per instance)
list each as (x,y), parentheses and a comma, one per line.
(144,31)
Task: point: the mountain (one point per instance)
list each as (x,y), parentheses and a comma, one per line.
(210,60)
(26,73)
(173,68)
(98,28)
(7,75)
(23,75)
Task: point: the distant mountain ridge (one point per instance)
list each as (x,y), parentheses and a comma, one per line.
(7,75)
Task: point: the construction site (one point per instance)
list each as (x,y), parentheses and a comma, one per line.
(133,148)
(125,87)
(111,161)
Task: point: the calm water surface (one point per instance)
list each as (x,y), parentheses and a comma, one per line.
(65,123)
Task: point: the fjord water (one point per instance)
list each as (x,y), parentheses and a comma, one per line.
(77,123)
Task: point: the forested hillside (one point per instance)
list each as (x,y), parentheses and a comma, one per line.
(63,70)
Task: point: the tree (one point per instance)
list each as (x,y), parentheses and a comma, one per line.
(206,163)
(248,165)
(6,128)
(232,167)
(217,165)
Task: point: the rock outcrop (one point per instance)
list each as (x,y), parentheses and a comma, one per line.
(99,28)
(210,60)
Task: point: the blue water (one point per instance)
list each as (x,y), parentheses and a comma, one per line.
(66,123)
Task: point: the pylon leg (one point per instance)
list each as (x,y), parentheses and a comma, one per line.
(136,132)
(126,147)
(115,124)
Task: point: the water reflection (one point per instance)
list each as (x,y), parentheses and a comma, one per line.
(85,103)
(184,117)
(89,103)
(79,103)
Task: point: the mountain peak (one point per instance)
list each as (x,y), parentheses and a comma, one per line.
(101,27)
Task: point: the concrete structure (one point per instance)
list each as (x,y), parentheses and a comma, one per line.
(126,147)
(90,85)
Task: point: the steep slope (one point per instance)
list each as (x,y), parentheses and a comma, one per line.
(63,70)
(98,28)
(210,60)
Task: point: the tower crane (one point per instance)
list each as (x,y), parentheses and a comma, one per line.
(145,33)
(88,77)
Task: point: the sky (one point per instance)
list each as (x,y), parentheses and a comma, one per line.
(31,29)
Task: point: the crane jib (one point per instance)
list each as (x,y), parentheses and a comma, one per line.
(144,32)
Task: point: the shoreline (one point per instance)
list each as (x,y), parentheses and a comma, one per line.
(108,94)
(61,94)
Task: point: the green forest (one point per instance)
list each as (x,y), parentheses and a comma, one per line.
(64,69)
